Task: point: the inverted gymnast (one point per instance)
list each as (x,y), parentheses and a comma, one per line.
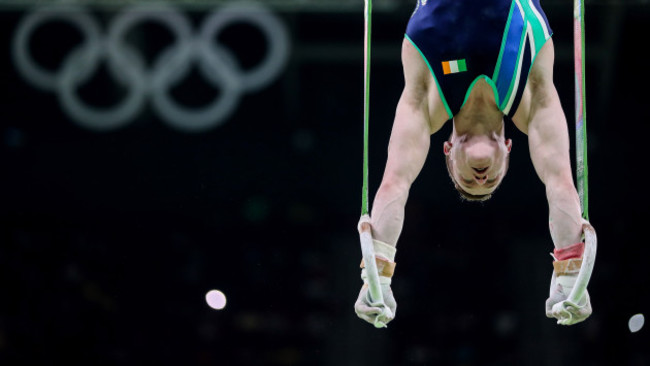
(472,63)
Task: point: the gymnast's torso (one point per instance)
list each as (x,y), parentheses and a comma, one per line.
(465,42)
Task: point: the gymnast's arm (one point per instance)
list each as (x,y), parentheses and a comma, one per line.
(419,114)
(548,139)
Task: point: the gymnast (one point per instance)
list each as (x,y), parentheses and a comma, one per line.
(477,64)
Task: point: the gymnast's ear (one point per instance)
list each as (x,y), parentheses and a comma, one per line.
(446,147)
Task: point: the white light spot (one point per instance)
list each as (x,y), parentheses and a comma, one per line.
(636,323)
(216,299)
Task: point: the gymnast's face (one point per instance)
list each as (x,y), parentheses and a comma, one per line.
(477,163)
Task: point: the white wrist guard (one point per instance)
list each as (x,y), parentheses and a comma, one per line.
(382,249)
(384,257)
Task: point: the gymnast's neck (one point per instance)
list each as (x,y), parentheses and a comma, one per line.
(480,114)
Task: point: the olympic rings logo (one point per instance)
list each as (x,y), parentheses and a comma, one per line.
(216,63)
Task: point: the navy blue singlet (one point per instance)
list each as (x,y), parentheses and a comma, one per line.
(463,41)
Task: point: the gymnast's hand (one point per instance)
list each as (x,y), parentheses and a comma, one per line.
(377,311)
(567,313)
(373,314)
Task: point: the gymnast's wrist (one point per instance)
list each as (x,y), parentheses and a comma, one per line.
(384,258)
(568,261)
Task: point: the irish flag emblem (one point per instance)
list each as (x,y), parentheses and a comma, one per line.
(454,66)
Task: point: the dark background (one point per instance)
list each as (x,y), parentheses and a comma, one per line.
(109,241)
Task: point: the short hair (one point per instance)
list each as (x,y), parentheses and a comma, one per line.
(466,196)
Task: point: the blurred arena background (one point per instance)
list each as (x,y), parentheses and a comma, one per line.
(152,152)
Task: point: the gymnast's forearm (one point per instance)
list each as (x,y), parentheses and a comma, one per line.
(407,152)
(565,219)
(548,139)
(551,159)
(388,212)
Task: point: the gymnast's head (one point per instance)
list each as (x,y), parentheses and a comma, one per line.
(477,163)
